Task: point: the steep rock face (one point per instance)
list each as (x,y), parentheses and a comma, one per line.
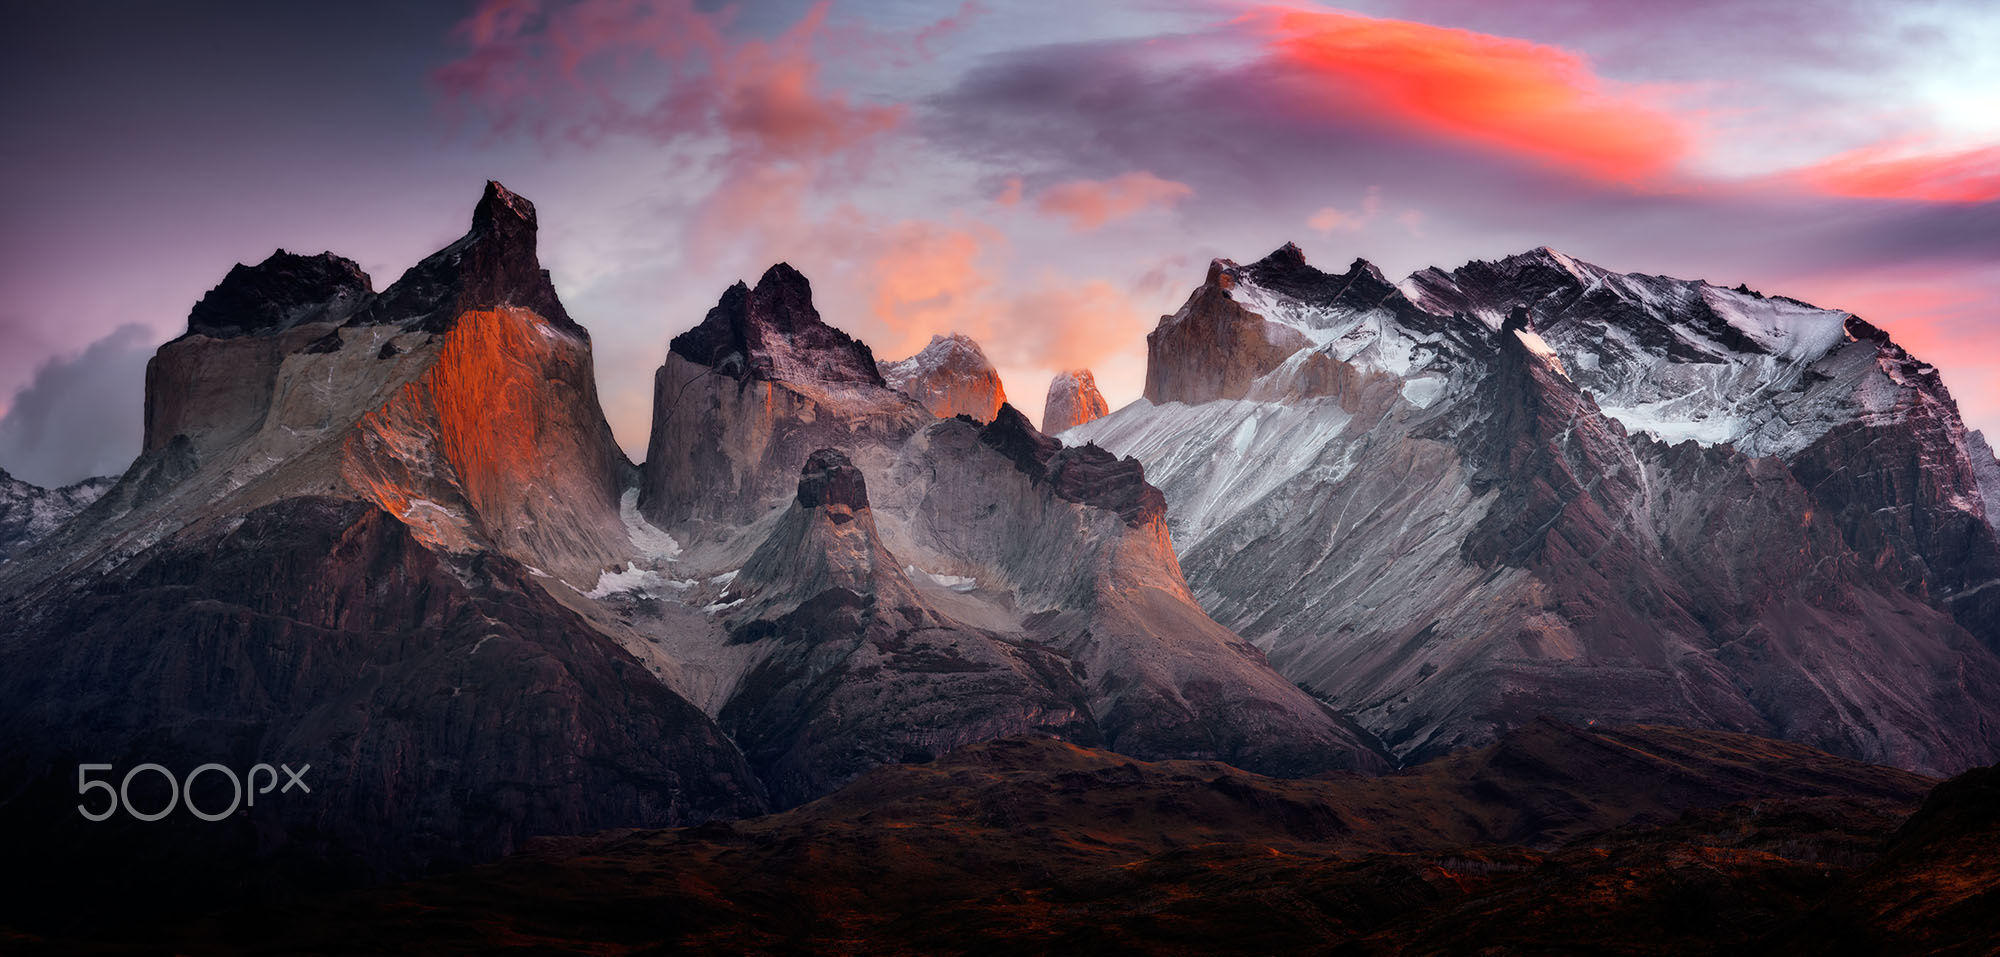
(858,669)
(500,440)
(745,396)
(449,710)
(1073,400)
(1465,538)
(492,265)
(1986,469)
(951,376)
(1078,537)
(29,512)
(1768,375)
(214,383)
(373,554)
(1058,555)
(1213,348)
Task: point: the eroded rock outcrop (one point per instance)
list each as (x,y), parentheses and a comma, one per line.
(858,668)
(951,376)
(1073,400)
(745,396)
(359,537)
(1213,348)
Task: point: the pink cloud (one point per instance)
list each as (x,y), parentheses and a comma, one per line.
(566,71)
(1089,204)
(1504,94)
(1903,170)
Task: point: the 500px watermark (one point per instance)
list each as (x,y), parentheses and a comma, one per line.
(180,791)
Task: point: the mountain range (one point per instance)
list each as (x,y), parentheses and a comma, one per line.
(1354,526)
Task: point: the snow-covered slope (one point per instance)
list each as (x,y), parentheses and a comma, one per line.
(1453,502)
(29,512)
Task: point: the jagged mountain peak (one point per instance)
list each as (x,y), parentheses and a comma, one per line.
(283,291)
(1285,272)
(773,332)
(493,265)
(1073,399)
(501,208)
(1287,256)
(951,376)
(1085,474)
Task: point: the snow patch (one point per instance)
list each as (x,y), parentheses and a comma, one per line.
(651,542)
(629,580)
(953,582)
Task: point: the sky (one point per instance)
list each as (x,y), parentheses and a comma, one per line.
(1048,177)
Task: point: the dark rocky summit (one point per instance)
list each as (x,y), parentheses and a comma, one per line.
(283,291)
(1084,474)
(773,332)
(491,266)
(830,479)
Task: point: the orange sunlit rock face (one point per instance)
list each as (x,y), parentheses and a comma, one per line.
(504,420)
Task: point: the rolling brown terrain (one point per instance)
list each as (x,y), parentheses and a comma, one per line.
(1636,840)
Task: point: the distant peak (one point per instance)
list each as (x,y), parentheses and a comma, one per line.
(1550,257)
(781,274)
(955,342)
(494,264)
(1288,256)
(502,207)
(773,332)
(1362,267)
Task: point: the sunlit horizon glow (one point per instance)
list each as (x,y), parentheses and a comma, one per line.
(1050,179)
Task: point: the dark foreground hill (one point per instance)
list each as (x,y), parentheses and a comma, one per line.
(1555,839)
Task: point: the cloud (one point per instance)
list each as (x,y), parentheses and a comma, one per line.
(662,70)
(929,278)
(82,415)
(1906,170)
(1330,218)
(1089,204)
(1500,93)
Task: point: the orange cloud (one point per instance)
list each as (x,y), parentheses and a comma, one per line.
(929,278)
(1511,95)
(1894,171)
(1090,203)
